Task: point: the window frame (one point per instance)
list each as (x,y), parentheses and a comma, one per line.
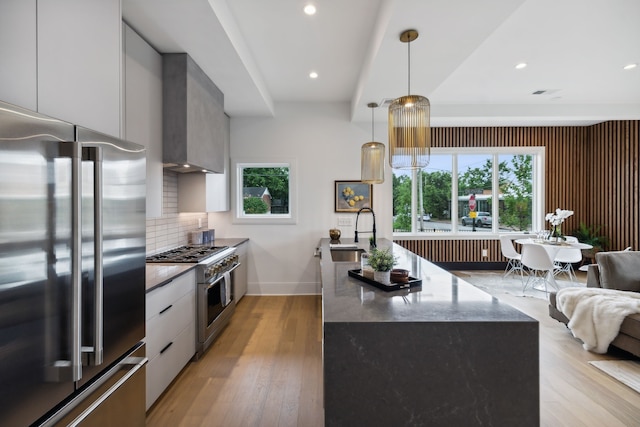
(238,166)
(538,196)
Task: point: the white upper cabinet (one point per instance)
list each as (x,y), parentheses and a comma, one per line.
(79,62)
(218,184)
(18,72)
(143,110)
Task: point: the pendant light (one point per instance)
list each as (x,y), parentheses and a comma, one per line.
(409,127)
(372,157)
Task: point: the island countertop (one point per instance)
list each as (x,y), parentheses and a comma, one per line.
(442,296)
(443,354)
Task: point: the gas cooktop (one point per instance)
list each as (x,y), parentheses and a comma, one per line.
(192,254)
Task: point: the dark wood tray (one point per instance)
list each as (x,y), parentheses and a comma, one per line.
(413,282)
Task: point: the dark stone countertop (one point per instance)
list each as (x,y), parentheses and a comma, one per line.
(442,297)
(160,274)
(230,241)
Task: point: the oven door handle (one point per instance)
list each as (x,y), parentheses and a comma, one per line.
(236,265)
(215,282)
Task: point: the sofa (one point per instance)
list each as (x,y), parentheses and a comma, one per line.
(613,270)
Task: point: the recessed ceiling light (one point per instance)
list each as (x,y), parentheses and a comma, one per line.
(310,9)
(521,65)
(630,66)
(313,75)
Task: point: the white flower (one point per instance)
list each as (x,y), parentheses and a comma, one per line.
(558,217)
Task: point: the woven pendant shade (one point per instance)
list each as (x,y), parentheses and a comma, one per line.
(409,132)
(409,123)
(372,163)
(372,157)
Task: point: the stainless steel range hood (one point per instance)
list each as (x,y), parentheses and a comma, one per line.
(193,117)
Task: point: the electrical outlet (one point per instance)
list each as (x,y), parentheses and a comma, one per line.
(345,220)
(485,253)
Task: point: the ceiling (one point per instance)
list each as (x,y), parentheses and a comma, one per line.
(260,53)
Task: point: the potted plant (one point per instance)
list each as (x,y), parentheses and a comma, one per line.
(591,236)
(382,261)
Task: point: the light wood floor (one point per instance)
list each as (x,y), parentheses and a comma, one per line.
(266,370)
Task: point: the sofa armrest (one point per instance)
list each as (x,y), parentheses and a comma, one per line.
(593,276)
(619,270)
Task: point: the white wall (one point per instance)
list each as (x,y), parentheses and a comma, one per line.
(327,148)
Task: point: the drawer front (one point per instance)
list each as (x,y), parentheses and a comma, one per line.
(166,325)
(163,368)
(158,299)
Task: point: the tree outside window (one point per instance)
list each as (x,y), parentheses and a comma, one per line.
(516,184)
(503,185)
(264,192)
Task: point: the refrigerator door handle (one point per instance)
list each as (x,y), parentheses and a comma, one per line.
(76,260)
(99,276)
(97,349)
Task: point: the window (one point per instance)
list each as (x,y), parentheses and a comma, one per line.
(506,184)
(264,192)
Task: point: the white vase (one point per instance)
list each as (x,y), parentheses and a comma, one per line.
(383,277)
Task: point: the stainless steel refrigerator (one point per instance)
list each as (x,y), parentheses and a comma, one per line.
(72,273)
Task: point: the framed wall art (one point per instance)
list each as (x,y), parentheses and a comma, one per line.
(351,196)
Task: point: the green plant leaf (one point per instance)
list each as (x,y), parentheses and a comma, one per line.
(382,259)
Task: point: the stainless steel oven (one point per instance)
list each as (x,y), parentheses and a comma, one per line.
(215,294)
(215,297)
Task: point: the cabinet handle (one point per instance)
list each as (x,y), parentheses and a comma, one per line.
(170,305)
(166,347)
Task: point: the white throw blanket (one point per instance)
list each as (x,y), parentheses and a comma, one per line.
(595,314)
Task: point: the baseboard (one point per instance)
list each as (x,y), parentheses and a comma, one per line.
(279,288)
(449,266)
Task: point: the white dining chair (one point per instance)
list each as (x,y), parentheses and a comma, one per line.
(566,257)
(539,263)
(509,252)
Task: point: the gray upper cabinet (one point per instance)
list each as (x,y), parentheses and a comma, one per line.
(193,119)
(143,110)
(206,192)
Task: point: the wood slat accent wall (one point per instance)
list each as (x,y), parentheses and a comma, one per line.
(454,250)
(612,198)
(591,170)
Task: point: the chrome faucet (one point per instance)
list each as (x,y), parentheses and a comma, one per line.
(373,244)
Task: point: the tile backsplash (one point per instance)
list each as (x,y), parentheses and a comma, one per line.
(173,228)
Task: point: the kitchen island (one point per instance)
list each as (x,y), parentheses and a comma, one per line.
(445,353)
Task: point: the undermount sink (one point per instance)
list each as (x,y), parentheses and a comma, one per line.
(346,255)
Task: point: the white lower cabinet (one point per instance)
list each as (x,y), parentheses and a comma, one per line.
(171,332)
(240,278)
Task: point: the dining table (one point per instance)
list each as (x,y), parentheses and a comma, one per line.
(552,248)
